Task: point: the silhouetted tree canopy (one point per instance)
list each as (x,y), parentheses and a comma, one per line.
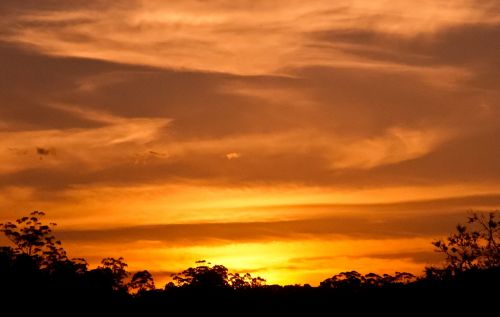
(36,268)
(34,238)
(246,280)
(118,271)
(474,245)
(202,276)
(142,281)
(216,276)
(355,280)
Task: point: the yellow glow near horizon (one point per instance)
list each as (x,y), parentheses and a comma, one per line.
(279,262)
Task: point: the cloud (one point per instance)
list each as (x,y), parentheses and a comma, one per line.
(468,48)
(233,156)
(396,224)
(417,257)
(196,35)
(423,257)
(335,118)
(43,151)
(397,145)
(88,148)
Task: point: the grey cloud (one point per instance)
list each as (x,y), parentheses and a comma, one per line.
(423,257)
(471,46)
(196,100)
(419,257)
(44,151)
(31,82)
(18,7)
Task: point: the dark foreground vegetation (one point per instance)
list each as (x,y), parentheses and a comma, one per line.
(37,276)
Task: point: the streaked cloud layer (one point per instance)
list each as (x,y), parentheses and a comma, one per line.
(258,117)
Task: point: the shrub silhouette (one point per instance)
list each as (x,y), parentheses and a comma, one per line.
(474,246)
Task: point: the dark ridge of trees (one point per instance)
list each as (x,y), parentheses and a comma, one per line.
(36,273)
(353,280)
(211,277)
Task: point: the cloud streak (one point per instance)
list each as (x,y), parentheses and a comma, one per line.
(171,34)
(335,228)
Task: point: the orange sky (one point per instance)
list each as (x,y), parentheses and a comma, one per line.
(292,139)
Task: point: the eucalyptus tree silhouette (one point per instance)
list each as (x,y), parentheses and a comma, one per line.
(33,238)
(474,246)
(216,276)
(29,235)
(353,280)
(142,281)
(349,280)
(36,266)
(117,269)
(245,281)
(203,276)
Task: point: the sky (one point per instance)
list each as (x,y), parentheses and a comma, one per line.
(289,139)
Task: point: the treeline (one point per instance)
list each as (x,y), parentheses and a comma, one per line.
(36,269)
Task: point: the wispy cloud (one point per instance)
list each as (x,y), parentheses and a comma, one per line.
(223,36)
(114,142)
(397,145)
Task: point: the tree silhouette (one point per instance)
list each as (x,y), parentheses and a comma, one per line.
(402,278)
(142,281)
(117,268)
(203,276)
(35,269)
(354,280)
(374,280)
(35,239)
(350,280)
(217,276)
(242,281)
(474,245)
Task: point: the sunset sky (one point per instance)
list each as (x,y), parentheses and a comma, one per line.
(290,139)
